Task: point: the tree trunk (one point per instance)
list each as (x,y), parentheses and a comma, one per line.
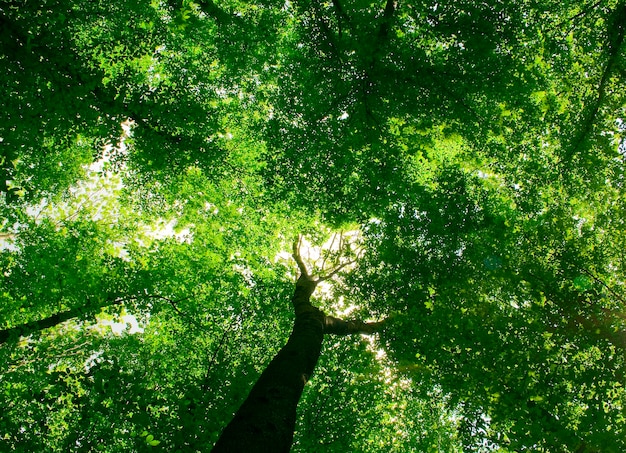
(266,420)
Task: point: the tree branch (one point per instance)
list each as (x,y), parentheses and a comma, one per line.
(330,248)
(616,33)
(601,282)
(337,326)
(336,271)
(177,310)
(13,334)
(296,256)
(220,344)
(572,20)
(340,14)
(344,265)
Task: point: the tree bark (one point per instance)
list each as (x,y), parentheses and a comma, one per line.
(266,420)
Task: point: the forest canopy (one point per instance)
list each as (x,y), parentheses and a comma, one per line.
(458,165)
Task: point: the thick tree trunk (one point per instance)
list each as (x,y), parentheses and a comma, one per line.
(266,420)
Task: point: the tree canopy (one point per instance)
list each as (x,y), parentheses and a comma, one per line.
(465,158)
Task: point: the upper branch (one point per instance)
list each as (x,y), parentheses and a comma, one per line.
(304,272)
(336,271)
(616,34)
(298,258)
(390,9)
(341,16)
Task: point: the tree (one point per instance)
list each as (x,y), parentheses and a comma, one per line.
(157,157)
(267,418)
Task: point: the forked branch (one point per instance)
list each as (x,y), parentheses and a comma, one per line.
(303,268)
(336,270)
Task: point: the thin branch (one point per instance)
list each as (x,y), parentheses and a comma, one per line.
(607,287)
(303,269)
(373,57)
(572,20)
(330,248)
(616,34)
(334,106)
(12,334)
(227,331)
(180,313)
(337,270)
(296,256)
(341,241)
(333,44)
(369,115)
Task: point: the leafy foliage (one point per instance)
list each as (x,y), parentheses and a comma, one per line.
(158,158)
